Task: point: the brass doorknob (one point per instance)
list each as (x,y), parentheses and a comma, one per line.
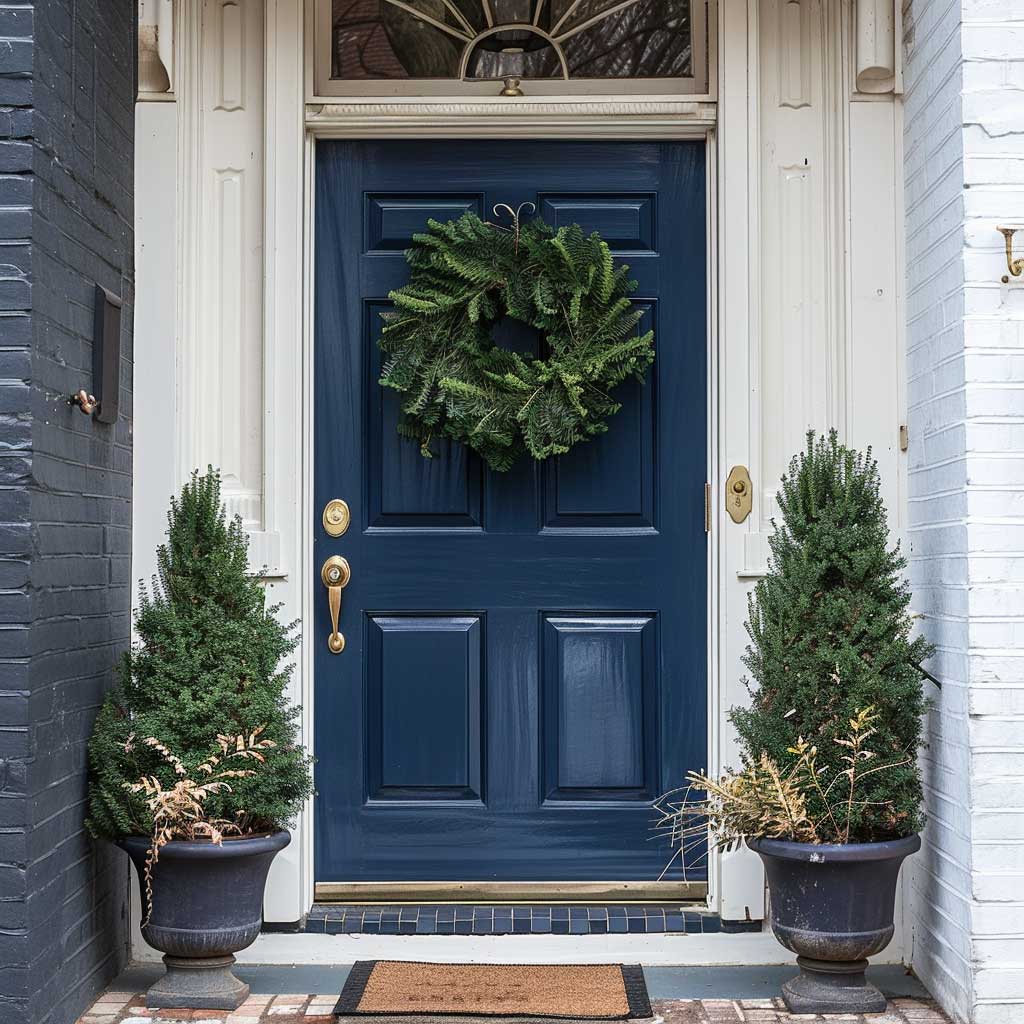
(335,574)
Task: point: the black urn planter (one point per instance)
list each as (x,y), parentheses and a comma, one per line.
(207,905)
(832,905)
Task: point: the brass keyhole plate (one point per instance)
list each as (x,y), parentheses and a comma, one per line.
(336,517)
(739,494)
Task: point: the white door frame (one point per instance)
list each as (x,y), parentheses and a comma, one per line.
(292,128)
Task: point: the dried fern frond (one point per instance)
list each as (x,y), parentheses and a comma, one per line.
(178,811)
(770,801)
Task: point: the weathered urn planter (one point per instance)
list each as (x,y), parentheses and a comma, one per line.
(207,905)
(832,905)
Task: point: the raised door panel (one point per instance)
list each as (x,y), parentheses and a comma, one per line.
(625,221)
(405,490)
(600,707)
(607,483)
(390,220)
(423,689)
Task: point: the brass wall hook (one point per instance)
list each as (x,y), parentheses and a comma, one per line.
(1015,266)
(86,402)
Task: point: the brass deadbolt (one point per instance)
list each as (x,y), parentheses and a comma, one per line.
(336,517)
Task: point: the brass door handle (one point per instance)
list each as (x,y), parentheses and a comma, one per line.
(335,574)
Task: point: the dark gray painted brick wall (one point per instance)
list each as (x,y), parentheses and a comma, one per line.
(66,148)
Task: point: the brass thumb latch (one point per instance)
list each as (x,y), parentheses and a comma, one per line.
(335,574)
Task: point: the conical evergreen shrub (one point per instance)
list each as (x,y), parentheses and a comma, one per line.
(830,634)
(207,660)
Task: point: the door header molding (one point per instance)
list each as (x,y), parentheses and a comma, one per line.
(564,119)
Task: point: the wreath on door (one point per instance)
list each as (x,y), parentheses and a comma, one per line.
(440,354)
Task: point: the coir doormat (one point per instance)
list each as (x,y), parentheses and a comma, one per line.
(386,988)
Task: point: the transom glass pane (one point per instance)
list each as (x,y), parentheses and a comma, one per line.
(497,39)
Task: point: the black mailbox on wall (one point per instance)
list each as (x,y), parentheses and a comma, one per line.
(106,355)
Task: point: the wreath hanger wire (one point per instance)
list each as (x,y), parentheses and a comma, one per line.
(516,216)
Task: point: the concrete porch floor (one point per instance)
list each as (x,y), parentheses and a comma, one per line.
(679,995)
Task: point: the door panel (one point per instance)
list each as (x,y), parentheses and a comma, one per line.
(600,714)
(405,489)
(609,481)
(625,222)
(525,659)
(392,220)
(424,742)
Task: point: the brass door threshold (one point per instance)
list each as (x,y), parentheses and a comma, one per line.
(509,892)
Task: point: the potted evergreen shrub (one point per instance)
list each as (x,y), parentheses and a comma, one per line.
(195,766)
(829,792)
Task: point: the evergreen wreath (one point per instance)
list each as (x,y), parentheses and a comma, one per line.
(457,383)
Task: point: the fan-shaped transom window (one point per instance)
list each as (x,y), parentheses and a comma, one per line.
(430,46)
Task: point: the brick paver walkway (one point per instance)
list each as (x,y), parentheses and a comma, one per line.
(129,1008)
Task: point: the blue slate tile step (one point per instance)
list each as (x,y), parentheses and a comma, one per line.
(633,919)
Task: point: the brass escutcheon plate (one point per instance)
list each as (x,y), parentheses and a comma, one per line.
(739,494)
(336,517)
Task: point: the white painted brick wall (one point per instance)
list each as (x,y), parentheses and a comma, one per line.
(993,134)
(940,877)
(964,140)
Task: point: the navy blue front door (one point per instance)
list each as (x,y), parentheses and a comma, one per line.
(525,661)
